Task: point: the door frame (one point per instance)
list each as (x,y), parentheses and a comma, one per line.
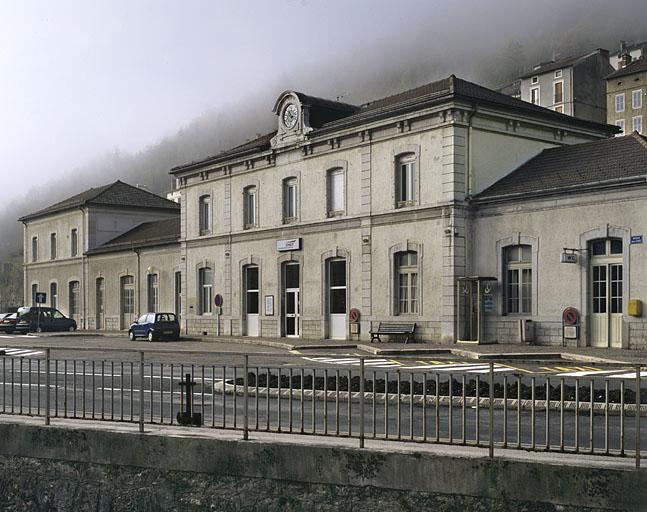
(603,231)
(283,261)
(326,301)
(243,280)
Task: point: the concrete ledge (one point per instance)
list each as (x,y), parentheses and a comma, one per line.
(579,483)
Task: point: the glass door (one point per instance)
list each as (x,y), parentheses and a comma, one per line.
(606,293)
(337,307)
(251,305)
(291,300)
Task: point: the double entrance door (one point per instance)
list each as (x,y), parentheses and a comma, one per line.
(607,276)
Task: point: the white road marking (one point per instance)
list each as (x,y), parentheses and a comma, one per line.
(587,373)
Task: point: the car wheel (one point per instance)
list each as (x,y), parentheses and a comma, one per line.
(40,329)
(131,336)
(151,336)
(72,328)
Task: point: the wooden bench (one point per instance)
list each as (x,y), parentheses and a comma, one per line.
(391,328)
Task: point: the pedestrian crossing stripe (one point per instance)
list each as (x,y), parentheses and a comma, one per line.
(20,352)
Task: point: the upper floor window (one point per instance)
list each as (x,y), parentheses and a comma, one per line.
(205,215)
(518,278)
(534,80)
(52,246)
(406,285)
(620,102)
(34,248)
(405,179)
(637,98)
(335,185)
(74,242)
(534,95)
(289,199)
(637,123)
(558,92)
(205,290)
(620,123)
(558,73)
(249,207)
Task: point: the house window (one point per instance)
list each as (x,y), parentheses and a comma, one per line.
(534,95)
(289,199)
(74,298)
(518,279)
(637,123)
(34,291)
(534,80)
(34,249)
(249,207)
(335,184)
(74,242)
(52,246)
(558,92)
(205,215)
(406,285)
(153,292)
(620,102)
(405,179)
(205,284)
(637,99)
(558,73)
(620,123)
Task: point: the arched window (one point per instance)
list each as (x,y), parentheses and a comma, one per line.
(205,290)
(518,278)
(336,193)
(406,282)
(153,292)
(405,179)
(290,196)
(74,298)
(205,215)
(249,207)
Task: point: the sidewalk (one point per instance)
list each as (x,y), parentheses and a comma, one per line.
(507,351)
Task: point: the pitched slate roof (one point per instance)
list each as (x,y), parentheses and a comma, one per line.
(440,91)
(570,168)
(636,66)
(552,65)
(114,194)
(147,234)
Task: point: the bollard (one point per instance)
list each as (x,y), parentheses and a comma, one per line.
(637,417)
(491,418)
(187,417)
(141,392)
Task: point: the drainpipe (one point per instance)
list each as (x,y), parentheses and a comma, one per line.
(138,282)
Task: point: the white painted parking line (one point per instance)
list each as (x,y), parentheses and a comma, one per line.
(497,369)
(630,375)
(589,373)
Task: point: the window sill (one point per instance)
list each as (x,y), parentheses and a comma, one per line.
(290,220)
(205,233)
(336,213)
(405,204)
(249,226)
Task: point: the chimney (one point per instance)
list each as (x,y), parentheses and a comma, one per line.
(624,60)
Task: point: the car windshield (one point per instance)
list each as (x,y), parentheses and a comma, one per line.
(166,317)
(58,314)
(22,311)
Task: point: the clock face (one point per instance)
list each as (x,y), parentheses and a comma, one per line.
(290,115)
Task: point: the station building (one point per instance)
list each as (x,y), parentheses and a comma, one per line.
(399,210)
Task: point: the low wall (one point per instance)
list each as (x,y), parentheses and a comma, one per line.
(54,468)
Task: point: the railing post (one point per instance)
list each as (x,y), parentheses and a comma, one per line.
(361,402)
(47,358)
(491,415)
(141,391)
(246,400)
(637,416)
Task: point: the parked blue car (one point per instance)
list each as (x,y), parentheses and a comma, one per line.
(154,326)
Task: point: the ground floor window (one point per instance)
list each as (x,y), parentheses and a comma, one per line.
(518,279)
(205,285)
(74,298)
(406,275)
(153,292)
(251,290)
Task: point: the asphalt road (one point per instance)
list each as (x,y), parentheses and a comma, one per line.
(96,377)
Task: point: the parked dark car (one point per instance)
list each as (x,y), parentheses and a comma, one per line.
(8,322)
(50,320)
(154,326)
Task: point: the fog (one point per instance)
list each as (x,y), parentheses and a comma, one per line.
(95,91)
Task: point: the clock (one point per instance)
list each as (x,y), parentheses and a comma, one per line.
(290,115)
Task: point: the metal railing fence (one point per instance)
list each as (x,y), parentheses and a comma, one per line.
(492,408)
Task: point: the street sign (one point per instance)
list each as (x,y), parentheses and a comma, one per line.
(568,257)
(637,239)
(218,300)
(41,297)
(291,244)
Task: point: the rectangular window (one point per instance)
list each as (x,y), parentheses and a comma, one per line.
(52,246)
(205,279)
(637,123)
(289,199)
(637,99)
(153,292)
(535,79)
(34,249)
(205,215)
(620,123)
(620,102)
(558,92)
(252,290)
(249,207)
(74,242)
(558,73)
(405,180)
(407,282)
(53,295)
(518,279)
(534,95)
(336,196)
